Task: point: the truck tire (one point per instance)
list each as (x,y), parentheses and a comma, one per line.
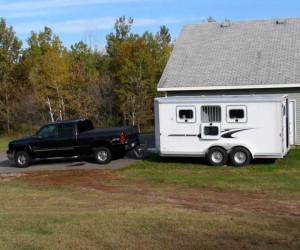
(240,156)
(22,159)
(217,156)
(103,155)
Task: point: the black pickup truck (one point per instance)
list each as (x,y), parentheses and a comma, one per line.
(73,138)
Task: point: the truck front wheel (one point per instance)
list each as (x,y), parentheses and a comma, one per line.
(103,155)
(22,159)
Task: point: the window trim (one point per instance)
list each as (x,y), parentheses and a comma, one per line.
(210,137)
(188,120)
(236,120)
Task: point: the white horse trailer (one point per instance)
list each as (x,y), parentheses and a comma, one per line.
(240,128)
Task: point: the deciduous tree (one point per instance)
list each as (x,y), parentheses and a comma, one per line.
(10,48)
(48,70)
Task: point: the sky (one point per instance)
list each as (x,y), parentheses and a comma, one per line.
(91,20)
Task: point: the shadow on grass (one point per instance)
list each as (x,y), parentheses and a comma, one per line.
(199,160)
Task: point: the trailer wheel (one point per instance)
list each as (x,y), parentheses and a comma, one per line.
(216,156)
(103,155)
(240,156)
(22,159)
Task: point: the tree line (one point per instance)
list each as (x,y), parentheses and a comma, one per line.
(46,82)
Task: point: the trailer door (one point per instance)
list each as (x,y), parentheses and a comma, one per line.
(292,119)
(285,124)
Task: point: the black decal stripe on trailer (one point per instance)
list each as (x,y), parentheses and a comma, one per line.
(230,133)
(181,135)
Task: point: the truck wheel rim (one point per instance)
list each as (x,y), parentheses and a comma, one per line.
(217,157)
(240,157)
(102,155)
(21,159)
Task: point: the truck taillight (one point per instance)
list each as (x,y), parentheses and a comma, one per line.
(122,138)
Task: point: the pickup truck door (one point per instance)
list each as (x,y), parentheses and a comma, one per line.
(43,143)
(66,143)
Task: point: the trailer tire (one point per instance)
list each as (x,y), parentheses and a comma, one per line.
(22,159)
(103,155)
(217,156)
(240,156)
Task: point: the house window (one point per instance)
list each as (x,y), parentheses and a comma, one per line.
(236,114)
(186,114)
(211,114)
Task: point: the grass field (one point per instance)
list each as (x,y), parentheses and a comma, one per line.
(3,144)
(154,204)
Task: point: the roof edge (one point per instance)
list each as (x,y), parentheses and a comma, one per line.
(269,86)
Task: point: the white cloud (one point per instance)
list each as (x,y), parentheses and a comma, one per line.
(80,25)
(42,8)
(162,21)
(55,4)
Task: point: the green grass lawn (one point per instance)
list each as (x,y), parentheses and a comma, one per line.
(154,204)
(4,144)
(277,178)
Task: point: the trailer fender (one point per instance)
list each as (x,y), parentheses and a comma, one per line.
(241,146)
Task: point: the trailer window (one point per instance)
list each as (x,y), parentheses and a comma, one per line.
(186,114)
(211,130)
(236,114)
(211,114)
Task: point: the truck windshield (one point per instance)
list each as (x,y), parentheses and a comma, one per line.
(85,125)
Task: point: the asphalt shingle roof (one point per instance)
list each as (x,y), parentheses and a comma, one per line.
(248,53)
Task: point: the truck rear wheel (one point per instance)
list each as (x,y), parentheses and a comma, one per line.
(22,159)
(240,156)
(217,156)
(103,155)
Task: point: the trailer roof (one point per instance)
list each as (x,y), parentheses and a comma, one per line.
(222,99)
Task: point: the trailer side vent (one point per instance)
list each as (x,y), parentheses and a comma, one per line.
(211,114)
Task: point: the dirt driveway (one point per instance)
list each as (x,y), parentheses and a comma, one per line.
(7,166)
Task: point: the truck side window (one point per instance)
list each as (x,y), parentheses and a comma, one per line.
(84,125)
(46,132)
(65,130)
(186,114)
(237,114)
